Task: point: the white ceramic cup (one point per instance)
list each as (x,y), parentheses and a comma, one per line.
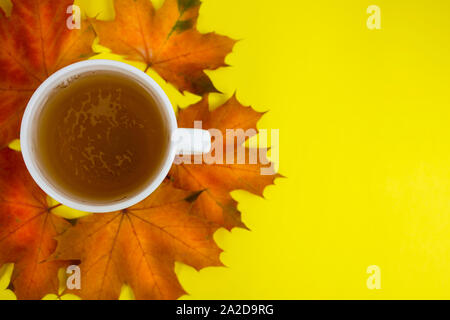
(182,141)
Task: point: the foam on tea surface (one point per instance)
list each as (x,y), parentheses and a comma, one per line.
(102,137)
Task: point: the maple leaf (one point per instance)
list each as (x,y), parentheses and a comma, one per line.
(166,40)
(218,180)
(27,230)
(35,43)
(138,246)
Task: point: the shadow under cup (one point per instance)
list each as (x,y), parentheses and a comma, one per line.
(99,138)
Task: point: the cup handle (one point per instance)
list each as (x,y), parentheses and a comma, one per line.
(191,141)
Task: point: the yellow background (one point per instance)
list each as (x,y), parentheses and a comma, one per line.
(364,143)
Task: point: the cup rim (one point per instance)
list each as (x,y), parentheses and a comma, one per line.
(64,74)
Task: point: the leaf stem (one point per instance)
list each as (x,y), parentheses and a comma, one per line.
(53,207)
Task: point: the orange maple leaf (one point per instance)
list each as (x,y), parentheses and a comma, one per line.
(166,40)
(139,246)
(27,230)
(218,180)
(35,43)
